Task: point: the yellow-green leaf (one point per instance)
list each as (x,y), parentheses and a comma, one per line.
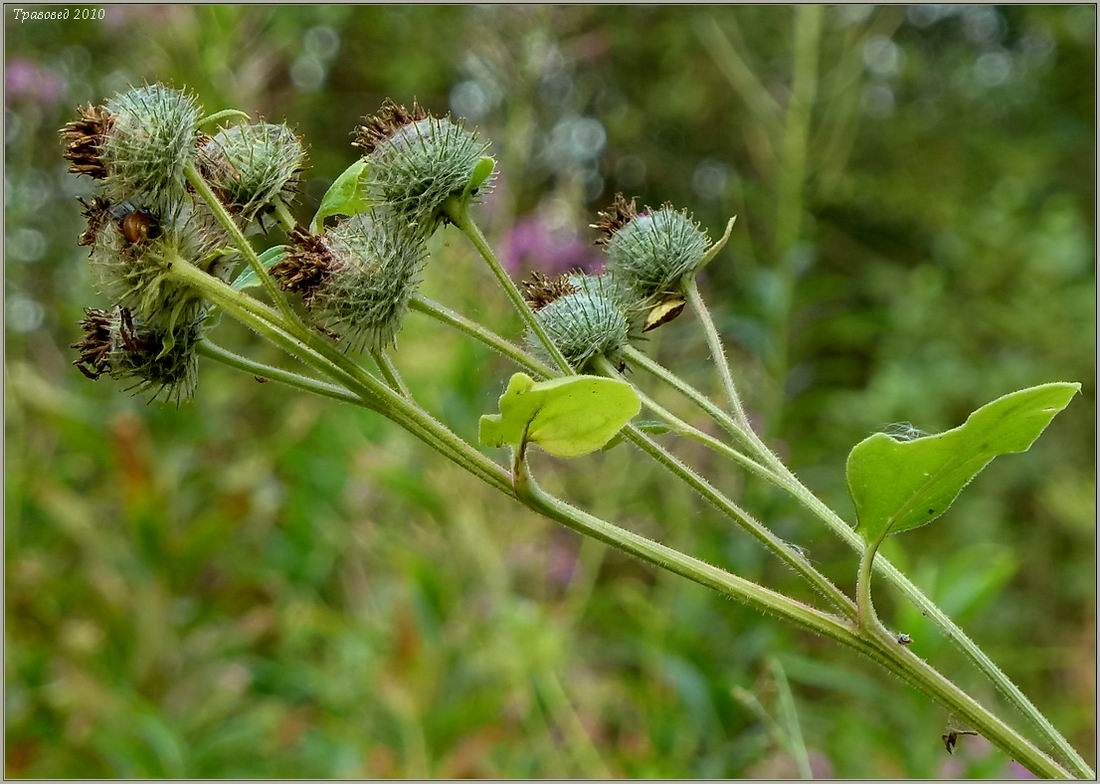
(567,417)
(344,197)
(899,485)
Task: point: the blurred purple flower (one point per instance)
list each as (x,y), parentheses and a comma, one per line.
(534,244)
(23,78)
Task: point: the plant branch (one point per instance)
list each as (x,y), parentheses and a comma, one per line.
(459,214)
(760,532)
(202,188)
(486,336)
(390,373)
(894,657)
(1014,741)
(717,352)
(839,527)
(259,370)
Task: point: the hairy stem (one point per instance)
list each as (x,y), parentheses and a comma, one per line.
(717,352)
(450,318)
(267,323)
(259,370)
(788,482)
(887,652)
(438,436)
(202,188)
(224,114)
(390,372)
(459,214)
(761,533)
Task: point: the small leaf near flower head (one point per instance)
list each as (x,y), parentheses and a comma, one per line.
(268,259)
(482,172)
(714,249)
(664,312)
(346,196)
(900,485)
(567,417)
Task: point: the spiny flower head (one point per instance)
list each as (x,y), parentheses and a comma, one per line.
(249,166)
(417,161)
(116,344)
(584,322)
(132,246)
(650,251)
(358,277)
(137,143)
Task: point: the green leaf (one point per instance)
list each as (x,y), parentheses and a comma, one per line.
(268,259)
(900,485)
(483,170)
(567,417)
(345,196)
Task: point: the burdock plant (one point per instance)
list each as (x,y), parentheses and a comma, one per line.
(171,221)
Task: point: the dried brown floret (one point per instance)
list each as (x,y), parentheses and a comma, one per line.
(620,213)
(96,343)
(83,137)
(540,290)
(381,125)
(96,212)
(307,266)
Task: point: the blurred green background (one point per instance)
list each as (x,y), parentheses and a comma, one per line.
(262,584)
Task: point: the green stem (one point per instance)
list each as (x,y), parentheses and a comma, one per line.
(682,428)
(223,114)
(717,352)
(788,482)
(454,448)
(739,588)
(887,652)
(868,619)
(390,373)
(455,320)
(202,188)
(1015,743)
(743,434)
(212,350)
(785,552)
(661,455)
(459,214)
(267,323)
(761,533)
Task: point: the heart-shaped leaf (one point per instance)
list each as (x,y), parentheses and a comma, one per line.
(899,485)
(268,259)
(567,417)
(345,196)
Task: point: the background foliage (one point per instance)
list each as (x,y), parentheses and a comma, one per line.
(263,584)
